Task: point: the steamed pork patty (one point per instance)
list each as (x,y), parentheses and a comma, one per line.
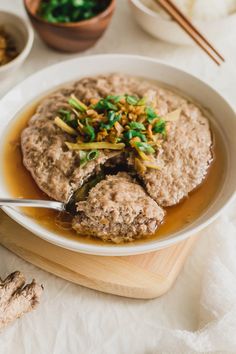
(183,159)
(169,154)
(118,209)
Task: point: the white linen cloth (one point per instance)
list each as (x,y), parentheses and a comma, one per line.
(198,315)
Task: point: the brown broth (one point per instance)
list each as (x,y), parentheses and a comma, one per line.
(21,185)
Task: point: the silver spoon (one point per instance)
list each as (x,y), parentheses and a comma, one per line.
(49,204)
(70,206)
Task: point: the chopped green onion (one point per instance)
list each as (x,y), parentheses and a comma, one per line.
(145,147)
(92,155)
(67,118)
(104,104)
(112,118)
(115,99)
(89,130)
(80,106)
(137,125)
(142,101)
(65,115)
(132,100)
(160,127)
(83,157)
(96,126)
(133,133)
(151,114)
(64,11)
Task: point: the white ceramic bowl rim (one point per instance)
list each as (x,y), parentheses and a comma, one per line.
(28,44)
(97,62)
(148,11)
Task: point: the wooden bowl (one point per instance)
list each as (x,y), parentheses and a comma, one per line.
(73,36)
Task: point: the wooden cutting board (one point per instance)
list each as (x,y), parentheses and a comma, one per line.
(143,276)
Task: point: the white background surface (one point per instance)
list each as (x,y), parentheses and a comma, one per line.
(72,319)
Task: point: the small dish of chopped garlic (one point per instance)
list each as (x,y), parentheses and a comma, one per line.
(8,48)
(16,39)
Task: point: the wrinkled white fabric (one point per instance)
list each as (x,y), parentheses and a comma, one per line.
(198,315)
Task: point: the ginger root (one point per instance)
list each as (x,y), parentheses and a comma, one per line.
(16,298)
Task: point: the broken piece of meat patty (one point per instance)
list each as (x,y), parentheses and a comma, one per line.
(118,209)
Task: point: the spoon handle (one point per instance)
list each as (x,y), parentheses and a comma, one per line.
(32,203)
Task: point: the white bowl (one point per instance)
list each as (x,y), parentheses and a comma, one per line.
(49,78)
(23,34)
(166,29)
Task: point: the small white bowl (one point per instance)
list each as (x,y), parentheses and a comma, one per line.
(23,34)
(166,29)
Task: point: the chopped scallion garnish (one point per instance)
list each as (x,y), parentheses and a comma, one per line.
(151,114)
(92,155)
(64,11)
(77,104)
(89,131)
(104,105)
(133,133)
(115,122)
(145,147)
(132,100)
(137,126)
(159,127)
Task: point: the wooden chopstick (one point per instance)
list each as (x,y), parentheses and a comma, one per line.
(192,31)
(196,30)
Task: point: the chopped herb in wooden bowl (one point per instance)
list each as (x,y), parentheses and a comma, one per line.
(64,11)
